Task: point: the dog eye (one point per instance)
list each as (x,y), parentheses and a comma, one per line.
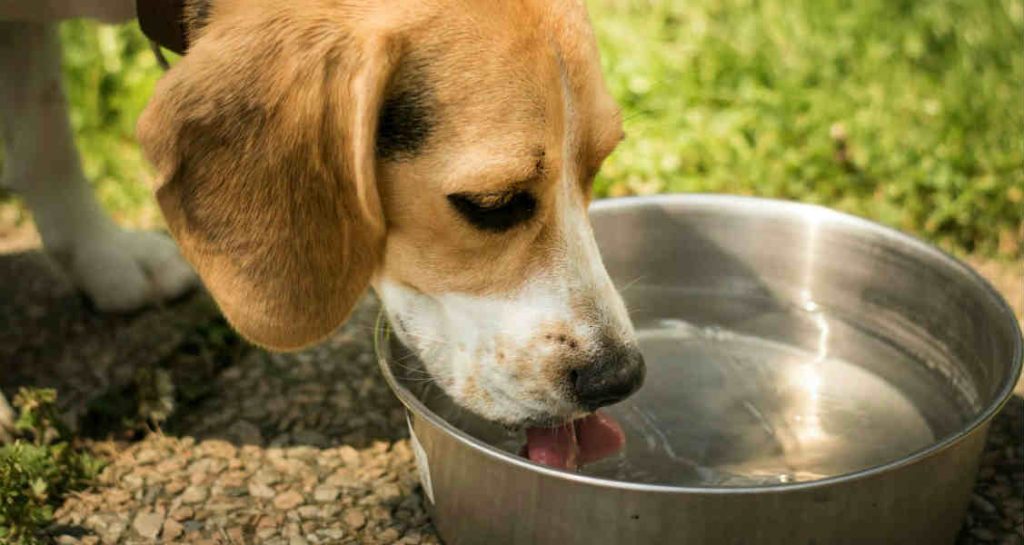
(494,211)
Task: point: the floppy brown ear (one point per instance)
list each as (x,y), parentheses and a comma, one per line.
(263,140)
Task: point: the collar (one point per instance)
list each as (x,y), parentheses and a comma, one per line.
(163,22)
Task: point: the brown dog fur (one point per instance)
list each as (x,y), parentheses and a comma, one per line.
(264,138)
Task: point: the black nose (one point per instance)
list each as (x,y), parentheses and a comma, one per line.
(613,376)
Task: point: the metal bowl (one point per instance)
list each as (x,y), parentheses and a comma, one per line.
(813,378)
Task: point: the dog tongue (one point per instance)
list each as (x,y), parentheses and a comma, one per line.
(586,440)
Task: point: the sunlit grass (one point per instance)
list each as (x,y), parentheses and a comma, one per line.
(905,112)
(759,97)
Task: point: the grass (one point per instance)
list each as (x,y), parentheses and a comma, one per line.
(909,113)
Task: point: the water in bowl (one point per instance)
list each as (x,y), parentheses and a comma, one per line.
(748,392)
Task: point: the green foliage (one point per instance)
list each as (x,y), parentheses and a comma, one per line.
(109,74)
(906,112)
(38,469)
(909,113)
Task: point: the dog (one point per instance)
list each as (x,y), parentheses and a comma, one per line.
(440,151)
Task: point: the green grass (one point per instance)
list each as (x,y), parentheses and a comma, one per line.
(737,96)
(744,96)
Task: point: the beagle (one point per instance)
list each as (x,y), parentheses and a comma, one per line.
(440,151)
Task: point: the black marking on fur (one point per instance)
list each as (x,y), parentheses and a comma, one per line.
(407,115)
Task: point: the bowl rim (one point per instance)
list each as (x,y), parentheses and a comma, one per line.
(382,333)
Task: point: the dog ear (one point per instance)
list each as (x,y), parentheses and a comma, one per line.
(263,138)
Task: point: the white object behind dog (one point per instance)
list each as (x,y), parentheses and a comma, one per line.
(118,270)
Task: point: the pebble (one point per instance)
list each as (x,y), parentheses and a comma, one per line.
(325,494)
(982,504)
(182,513)
(354,518)
(172,529)
(195,494)
(288,500)
(148,524)
(307,512)
(260,490)
(332,533)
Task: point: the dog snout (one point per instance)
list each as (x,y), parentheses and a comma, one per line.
(611,377)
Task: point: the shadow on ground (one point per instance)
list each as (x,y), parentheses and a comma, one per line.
(180,367)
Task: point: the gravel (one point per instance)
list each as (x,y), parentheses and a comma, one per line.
(996,512)
(159,498)
(292,449)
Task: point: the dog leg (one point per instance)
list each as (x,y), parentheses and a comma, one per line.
(119,270)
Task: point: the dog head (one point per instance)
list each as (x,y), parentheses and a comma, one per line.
(442,152)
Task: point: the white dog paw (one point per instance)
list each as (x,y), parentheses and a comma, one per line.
(122,271)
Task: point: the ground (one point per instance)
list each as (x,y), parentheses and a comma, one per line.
(261,448)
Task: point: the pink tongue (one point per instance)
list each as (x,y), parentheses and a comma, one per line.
(586,440)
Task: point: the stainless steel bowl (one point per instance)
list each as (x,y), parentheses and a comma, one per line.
(813,378)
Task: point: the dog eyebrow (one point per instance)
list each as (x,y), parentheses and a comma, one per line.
(498,174)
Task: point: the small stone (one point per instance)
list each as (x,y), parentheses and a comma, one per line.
(389,536)
(982,504)
(117,496)
(172,529)
(307,512)
(133,482)
(182,513)
(195,494)
(333,534)
(354,518)
(266,533)
(217,448)
(111,534)
(174,487)
(297,540)
(236,534)
(349,455)
(260,490)
(344,477)
(148,524)
(267,477)
(389,493)
(286,501)
(68,540)
(147,456)
(324,494)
